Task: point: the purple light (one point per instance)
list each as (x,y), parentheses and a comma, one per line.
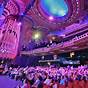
(19,23)
(51,18)
(63,35)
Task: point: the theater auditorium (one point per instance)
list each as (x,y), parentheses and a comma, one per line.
(43,43)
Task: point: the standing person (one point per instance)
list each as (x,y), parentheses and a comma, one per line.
(62,82)
(25,84)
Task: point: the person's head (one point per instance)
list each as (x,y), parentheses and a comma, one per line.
(25,81)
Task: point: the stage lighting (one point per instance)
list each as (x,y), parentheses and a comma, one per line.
(49,63)
(53,38)
(72,54)
(37,35)
(19,23)
(51,18)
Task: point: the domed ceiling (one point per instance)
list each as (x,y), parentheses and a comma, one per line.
(55,14)
(57,8)
(52,14)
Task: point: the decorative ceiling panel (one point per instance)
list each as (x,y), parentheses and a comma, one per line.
(73,8)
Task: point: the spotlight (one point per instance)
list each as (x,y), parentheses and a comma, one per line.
(37,35)
(49,63)
(19,23)
(72,54)
(53,38)
(51,18)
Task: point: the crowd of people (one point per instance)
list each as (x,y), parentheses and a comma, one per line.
(49,77)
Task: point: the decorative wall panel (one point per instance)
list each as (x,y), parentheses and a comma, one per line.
(10,38)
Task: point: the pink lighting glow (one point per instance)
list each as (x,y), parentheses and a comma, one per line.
(51,18)
(19,23)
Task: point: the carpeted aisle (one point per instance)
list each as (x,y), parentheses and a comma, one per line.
(6,82)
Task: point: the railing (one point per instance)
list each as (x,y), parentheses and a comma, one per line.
(57,46)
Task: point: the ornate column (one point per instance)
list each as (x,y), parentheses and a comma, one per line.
(10,38)
(10,30)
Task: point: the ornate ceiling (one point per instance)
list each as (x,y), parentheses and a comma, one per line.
(42,15)
(53,16)
(47,20)
(74,9)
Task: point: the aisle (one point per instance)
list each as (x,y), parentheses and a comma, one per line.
(6,82)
